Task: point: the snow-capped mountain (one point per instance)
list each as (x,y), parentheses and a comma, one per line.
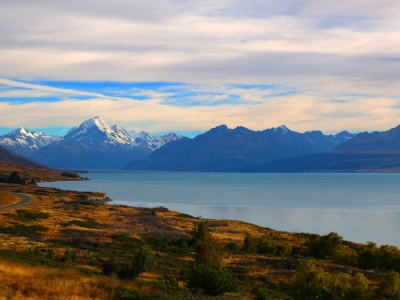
(154,142)
(25,142)
(95,130)
(96,145)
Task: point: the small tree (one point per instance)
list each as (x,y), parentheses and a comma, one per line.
(309,281)
(213,278)
(324,246)
(15,178)
(208,273)
(207,249)
(143,259)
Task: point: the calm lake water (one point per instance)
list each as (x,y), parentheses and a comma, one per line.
(360,207)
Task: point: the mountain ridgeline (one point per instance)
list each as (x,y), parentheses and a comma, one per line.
(92,145)
(9,156)
(224,149)
(366,152)
(96,145)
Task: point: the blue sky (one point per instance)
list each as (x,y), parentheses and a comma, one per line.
(187,66)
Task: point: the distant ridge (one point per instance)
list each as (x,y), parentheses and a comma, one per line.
(375,142)
(25,142)
(366,152)
(10,156)
(224,149)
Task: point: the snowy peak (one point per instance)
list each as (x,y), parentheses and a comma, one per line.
(26,142)
(154,142)
(95,130)
(282,129)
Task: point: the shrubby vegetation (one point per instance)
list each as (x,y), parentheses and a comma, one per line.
(311,281)
(208,273)
(70,174)
(143,261)
(14,177)
(266,245)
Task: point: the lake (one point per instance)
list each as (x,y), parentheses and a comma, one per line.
(360,207)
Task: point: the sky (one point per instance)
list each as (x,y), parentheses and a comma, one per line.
(188,66)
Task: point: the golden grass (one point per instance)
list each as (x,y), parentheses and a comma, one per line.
(6,167)
(6,198)
(20,281)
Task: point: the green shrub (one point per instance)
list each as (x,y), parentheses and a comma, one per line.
(70,174)
(344,286)
(346,257)
(309,281)
(207,249)
(263,294)
(324,246)
(212,278)
(143,259)
(266,245)
(87,222)
(368,256)
(51,254)
(389,285)
(27,215)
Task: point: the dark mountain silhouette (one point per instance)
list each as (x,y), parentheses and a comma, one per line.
(366,152)
(223,149)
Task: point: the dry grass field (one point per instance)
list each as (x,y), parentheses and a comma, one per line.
(7,198)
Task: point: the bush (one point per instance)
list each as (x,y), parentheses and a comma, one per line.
(389,286)
(346,257)
(70,174)
(208,274)
(324,246)
(263,294)
(212,278)
(309,281)
(143,259)
(27,215)
(343,286)
(206,248)
(368,256)
(266,245)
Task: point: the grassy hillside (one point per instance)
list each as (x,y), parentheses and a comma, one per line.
(70,245)
(41,174)
(10,156)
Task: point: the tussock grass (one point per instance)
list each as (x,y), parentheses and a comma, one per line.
(20,281)
(7,198)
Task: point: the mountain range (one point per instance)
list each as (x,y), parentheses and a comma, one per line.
(92,145)
(366,152)
(24,142)
(96,145)
(224,149)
